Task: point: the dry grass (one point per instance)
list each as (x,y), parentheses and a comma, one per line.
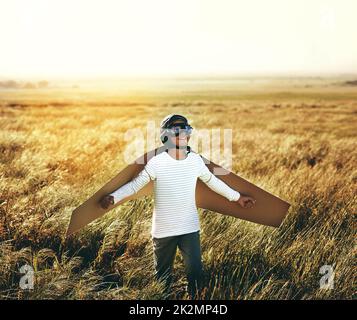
(55,153)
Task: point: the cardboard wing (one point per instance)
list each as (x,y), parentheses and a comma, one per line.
(269,210)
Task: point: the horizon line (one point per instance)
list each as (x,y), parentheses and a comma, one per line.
(201,75)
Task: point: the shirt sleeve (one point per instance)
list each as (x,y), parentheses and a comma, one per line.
(216,184)
(133,186)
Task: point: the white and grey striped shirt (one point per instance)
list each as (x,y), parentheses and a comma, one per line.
(175,210)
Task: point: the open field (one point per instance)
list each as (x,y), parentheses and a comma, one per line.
(294,138)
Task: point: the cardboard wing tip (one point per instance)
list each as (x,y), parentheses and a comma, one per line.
(287,207)
(79,221)
(69,231)
(276,223)
(72,230)
(68,234)
(72,226)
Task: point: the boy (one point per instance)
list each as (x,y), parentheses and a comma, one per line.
(175,218)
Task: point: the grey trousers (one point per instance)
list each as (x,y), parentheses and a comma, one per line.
(164,257)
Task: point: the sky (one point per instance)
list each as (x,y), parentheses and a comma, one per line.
(75,38)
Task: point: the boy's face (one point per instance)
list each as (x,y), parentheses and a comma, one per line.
(182,139)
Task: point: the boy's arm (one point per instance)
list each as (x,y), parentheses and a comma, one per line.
(216,184)
(131,187)
(223,189)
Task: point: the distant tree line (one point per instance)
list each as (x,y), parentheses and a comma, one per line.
(11,84)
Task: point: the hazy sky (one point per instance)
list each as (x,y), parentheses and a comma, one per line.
(100,37)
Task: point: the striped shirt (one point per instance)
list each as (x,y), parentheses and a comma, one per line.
(175,210)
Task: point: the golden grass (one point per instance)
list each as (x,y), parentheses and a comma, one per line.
(55,153)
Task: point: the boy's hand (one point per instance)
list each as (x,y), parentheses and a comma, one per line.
(106,201)
(246,202)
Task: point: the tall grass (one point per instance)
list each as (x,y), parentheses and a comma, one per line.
(53,157)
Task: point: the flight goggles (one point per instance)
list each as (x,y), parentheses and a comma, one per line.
(176,129)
